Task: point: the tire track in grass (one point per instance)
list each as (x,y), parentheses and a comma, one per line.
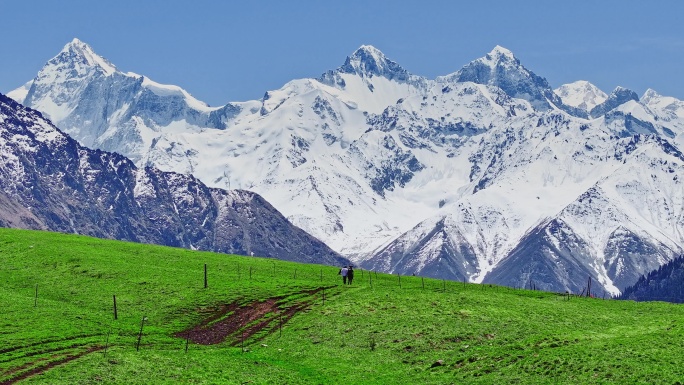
(41,369)
(49,341)
(45,350)
(237,322)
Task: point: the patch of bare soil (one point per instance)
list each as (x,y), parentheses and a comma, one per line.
(236,323)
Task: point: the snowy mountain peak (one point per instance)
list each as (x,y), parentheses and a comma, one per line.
(623,93)
(366,52)
(649,95)
(581,94)
(76,43)
(500,53)
(500,68)
(619,96)
(63,76)
(621,90)
(77,52)
(368,61)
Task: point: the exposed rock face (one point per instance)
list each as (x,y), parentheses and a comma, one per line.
(50,182)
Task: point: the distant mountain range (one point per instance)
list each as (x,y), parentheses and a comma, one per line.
(486,174)
(50,182)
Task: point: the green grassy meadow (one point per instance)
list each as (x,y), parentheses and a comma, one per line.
(373,332)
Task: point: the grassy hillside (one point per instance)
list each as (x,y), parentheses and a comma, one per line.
(277,329)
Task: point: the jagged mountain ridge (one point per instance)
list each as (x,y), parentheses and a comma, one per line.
(368,151)
(50,182)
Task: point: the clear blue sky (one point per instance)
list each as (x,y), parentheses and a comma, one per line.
(223,51)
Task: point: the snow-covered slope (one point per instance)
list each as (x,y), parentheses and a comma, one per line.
(454,177)
(581,94)
(49,182)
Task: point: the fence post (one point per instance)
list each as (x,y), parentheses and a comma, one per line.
(205,276)
(589,287)
(35,301)
(106,343)
(116,316)
(137,345)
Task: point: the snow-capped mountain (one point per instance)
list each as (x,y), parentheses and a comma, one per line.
(102,107)
(536,178)
(500,68)
(581,94)
(458,177)
(618,97)
(50,182)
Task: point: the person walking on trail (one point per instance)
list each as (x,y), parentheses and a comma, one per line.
(350,275)
(343,272)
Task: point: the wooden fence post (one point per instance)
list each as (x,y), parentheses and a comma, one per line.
(137,345)
(205,276)
(106,343)
(589,287)
(116,315)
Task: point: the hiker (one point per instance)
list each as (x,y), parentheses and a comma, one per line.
(343,272)
(350,275)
